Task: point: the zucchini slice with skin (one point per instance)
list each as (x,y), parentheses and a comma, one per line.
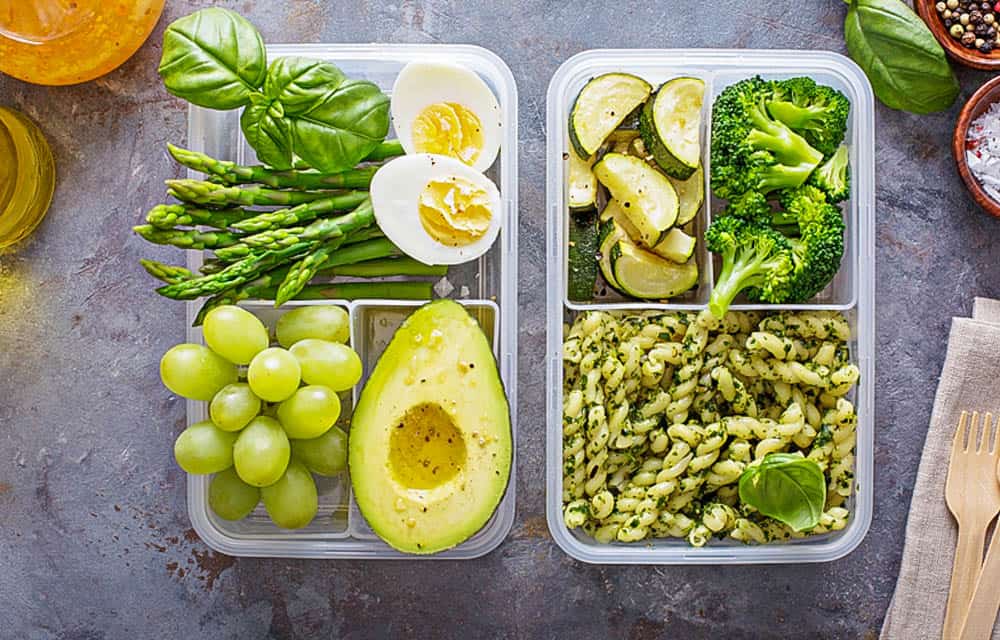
(609,236)
(676,245)
(647,197)
(671,126)
(603,104)
(582,256)
(642,274)
(690,194)
(582,184)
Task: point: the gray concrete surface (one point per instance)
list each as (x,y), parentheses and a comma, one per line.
(94,538)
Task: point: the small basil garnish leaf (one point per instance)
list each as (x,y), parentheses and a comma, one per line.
(786,487)
(905,64)
(213,58)
(267,132)
(334,122)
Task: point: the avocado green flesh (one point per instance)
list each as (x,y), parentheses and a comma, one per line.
(430,447)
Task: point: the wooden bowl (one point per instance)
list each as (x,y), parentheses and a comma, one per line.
(969,57)
(973,108)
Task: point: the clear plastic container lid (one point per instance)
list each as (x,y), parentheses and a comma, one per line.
(487,288)
(851,292)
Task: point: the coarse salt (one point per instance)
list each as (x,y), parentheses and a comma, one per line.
(982,150)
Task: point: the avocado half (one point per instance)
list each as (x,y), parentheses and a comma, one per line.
(430,446)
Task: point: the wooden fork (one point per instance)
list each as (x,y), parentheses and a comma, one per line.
(973,497)
(986,599)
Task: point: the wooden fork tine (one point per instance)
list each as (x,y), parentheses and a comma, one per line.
(985,432)
(972,443)
(956,444)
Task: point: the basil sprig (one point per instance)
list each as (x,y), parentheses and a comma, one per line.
(296,108)
(786,487)
(905,64)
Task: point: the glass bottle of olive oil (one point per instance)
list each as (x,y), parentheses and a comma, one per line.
(57,42)
(27,176)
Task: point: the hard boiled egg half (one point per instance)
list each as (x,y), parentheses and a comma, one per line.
(447,110)
(436,209)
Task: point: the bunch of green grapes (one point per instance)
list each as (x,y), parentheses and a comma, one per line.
(272,422)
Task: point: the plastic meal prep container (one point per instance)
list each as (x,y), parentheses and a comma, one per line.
(851,292)
(487,288)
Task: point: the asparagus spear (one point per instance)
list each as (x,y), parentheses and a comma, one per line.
(369,249)
(168,216)
(334,291)
(166,272)
(215,195)
(235,274)
(270,257)
(187,238)
(302,213)
(322,229)
(232,173)
(387,267)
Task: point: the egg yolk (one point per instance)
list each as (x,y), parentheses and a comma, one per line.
(454,211)
(448,129)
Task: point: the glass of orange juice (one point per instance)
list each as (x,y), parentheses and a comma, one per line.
(57,42)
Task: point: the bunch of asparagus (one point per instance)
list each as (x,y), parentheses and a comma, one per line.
(324,226)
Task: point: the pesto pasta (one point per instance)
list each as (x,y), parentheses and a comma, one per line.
(662,413)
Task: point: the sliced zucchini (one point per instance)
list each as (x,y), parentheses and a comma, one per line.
(603,104)
(676,245)
(623,135)
(690,194)
(582,184)
(609,236)
(647,197)
(645,275)
(671,126)
(582,255)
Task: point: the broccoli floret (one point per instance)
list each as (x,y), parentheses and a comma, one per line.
(751,206)
(754,258)
(752,151)
(817,252)
(817,112)
(834,176)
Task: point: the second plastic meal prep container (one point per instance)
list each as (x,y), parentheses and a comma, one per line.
(851,292)
(487,288)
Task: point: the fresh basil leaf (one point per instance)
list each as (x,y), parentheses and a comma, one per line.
(213,58)
(786,487)
(905,64)
(334,122)
(267,131)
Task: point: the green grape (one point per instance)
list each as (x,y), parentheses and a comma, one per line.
(309,412)
(231,498)
(325,455)
(234,406)
(292,501)
(274,374)
(195,371)
(261,452)
(204,448)
(234,333)
(330,364)
(325,322)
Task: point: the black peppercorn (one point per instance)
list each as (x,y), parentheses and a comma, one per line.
(968,38)
(986,47)
(947,23)
(991,32)
(975,17)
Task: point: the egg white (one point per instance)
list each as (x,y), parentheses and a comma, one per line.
(395,195)
(421,84)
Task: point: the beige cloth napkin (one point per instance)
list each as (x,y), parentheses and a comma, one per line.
(968,382)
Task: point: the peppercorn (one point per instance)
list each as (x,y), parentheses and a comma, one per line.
(968,38)
(991,32)
(964,18)
(975,17)
(986,48)
(940,7)
(953,4)
(985,6)
(989,18)
(980,29)
(969,28)
(956,31)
